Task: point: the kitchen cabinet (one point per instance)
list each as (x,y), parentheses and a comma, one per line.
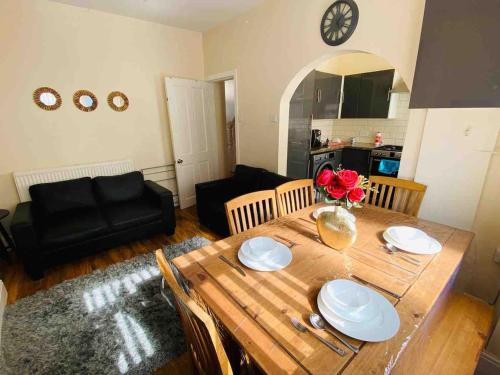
(317,96)
(367,95)
(357,160)
(327,95)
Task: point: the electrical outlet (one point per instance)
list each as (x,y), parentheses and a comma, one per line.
(496,258)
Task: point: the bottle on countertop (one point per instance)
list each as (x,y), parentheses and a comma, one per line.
(378,139)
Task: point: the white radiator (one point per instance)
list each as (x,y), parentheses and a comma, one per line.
(24,180)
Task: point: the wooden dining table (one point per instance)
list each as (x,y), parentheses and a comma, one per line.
(256,308)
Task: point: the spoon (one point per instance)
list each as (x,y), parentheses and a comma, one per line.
(319,323)
(393,249)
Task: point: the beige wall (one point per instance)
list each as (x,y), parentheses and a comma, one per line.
(453,162)
(69,48)
(485,274)
(354,63)
(459,162)
(275,45)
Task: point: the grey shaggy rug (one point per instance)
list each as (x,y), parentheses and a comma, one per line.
(112,321)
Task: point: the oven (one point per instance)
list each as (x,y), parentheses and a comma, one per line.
(384,161)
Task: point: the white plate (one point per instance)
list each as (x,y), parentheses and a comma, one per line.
(382,327)
(412,240)
(280,258)
(317,211)
(259,248)
(350,300)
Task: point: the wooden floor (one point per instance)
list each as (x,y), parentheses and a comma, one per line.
(451,340)
(19,284)
(451,344)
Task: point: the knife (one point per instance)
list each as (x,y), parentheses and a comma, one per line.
(236,267)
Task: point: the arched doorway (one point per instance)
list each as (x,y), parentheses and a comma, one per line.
(347,64)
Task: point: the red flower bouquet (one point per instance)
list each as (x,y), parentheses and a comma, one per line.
(343,186)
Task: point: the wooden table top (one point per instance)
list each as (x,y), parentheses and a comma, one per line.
(256,308)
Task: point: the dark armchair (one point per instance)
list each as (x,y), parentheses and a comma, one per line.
(211,196)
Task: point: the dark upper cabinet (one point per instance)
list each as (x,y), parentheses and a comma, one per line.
(367,95)
(327,95)
(352,87)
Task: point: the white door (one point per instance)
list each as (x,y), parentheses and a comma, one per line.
(191,109)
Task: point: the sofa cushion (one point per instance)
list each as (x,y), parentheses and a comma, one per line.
(73,226)
(123,215)
(270,181)
(248,178)
(112,189)
(58,197)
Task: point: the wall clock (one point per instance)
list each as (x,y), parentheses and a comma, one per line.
(339,22)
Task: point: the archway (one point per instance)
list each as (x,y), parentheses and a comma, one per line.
(294,84)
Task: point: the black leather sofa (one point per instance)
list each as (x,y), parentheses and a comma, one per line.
(211,196)
(73,218)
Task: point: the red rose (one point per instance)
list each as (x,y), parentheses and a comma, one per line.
(336,191)
(325,178)
(348,179)
(356,195)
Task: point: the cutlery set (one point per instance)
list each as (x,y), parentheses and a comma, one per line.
(319,323)
(302,328)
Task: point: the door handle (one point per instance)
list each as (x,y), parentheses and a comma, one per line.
(180,161)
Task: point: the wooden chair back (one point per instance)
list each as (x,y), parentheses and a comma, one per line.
(203,341)
(250,210)
(395,194)
(294,195)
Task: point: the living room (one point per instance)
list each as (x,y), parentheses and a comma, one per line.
(105,116)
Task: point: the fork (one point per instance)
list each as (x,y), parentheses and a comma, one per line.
(302,328)
(393,250)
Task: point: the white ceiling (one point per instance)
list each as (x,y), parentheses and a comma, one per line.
(198,15)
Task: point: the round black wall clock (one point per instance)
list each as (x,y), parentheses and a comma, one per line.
(339,22)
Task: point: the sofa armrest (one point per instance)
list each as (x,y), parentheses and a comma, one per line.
(25,237)
(205,193)
(163,197)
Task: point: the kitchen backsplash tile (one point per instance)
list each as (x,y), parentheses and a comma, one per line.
(393,130)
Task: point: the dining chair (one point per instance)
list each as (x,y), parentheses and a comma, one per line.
(250,210)
(395,194)
(204,344)
(294,195)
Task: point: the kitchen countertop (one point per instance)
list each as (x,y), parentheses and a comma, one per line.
(359,145)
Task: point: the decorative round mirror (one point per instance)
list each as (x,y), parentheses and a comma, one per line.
(47,98)
(85,101)
(118,101)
